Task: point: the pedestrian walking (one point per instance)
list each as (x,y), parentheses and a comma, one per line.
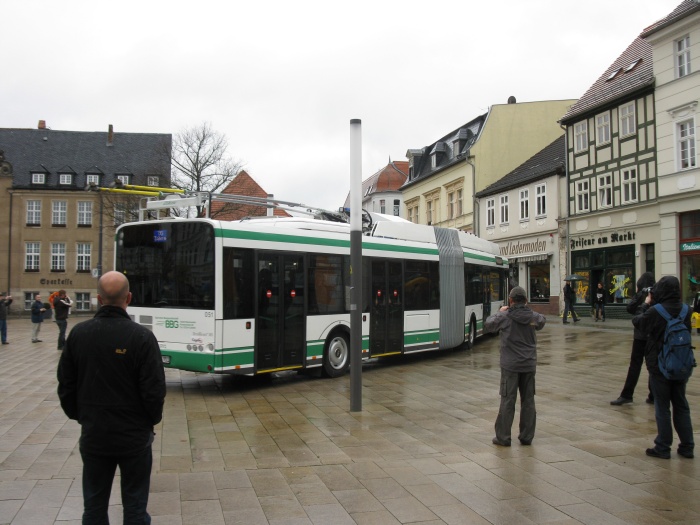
(61,306)
(634,307)
(569,301)
(667,393)
(517,324)
(5,301)
(111,380)
(37,318)
(600,297)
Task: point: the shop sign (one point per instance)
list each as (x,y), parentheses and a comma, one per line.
(690,246)
(602,240)
(519,248)
(60,282)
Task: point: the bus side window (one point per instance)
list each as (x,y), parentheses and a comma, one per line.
(237,283)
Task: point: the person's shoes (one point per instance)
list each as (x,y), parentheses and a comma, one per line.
(496,441)
(656,454)
(566,322)
(35,340)
(525,442)
(686,453)
(6,342)
(603,320)
(576,320)
(621,401)
(39,341)
(596,320)
(649,400)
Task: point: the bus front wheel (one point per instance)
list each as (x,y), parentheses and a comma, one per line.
(336,355)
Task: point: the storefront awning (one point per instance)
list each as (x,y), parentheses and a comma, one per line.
(534,257)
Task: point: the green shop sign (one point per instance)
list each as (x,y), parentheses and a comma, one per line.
(690,246)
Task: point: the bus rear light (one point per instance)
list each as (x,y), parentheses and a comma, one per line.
(247,325)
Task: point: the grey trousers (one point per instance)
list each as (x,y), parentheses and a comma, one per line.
(36,327)
(511,383)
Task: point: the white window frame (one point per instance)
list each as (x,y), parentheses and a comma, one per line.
(82,301)
(685,144)
(503,209)
(581,136)
(123,178)
(490,213)
(38,178)
(34,212)
(58,256)
(682,55)
(93,179)
(65,179)
(628,119)
(382,206)
(605,191)
(83,252)
(429,211)
(84,213)
(459,202)
(541,198)
(32,256)
(119,214)
(602,125)
(525,204)
(582,196)
(630,191)
(397,207)
(59,213)
(153,180)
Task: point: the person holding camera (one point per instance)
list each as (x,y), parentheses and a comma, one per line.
(634,307)
(61,306)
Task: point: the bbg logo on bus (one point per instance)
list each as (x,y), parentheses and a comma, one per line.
(171,323)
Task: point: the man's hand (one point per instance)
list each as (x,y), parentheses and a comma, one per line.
(503,309)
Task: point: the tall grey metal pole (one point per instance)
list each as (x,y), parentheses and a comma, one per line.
(356,265)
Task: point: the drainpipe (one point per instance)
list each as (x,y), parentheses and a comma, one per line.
(475,215)
(566,177)
(9,249)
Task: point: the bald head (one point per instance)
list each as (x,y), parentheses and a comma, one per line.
(113,289)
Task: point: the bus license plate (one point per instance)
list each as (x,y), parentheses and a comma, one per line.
(166,359)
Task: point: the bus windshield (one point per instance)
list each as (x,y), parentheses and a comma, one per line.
(169,265)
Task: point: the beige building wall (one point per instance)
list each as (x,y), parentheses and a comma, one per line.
(512,134)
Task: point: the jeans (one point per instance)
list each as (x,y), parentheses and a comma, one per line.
(671,392)
(3,330)
(635,368)
(568,308)
(62,325)
(600,308)
(511,383)
(98,474)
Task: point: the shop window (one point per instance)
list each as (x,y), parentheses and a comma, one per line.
(620,284)
(539,283)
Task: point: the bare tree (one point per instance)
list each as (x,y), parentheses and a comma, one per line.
(200,162)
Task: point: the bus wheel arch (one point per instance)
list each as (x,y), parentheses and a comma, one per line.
(336,353)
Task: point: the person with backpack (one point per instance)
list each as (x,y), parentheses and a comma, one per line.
(670,361)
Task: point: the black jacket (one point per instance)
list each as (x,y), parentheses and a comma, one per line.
(634,306)
(668,293)
(111,380)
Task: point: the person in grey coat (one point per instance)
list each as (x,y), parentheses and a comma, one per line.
(517,324)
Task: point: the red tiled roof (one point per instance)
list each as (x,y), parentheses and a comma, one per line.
(242,184)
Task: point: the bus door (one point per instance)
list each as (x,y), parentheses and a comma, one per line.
(280,337)
(386,327)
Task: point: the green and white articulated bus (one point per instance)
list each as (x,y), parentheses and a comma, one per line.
(267,294)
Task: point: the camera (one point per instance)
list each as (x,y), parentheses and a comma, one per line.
(647,290)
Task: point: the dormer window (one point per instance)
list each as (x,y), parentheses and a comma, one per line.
(38,178)
(65,179)
(152,180)
(124,179)
(93,178)
(437,154)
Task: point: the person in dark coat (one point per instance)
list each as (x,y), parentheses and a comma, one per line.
(634,307)
(667,393)
(569,301)
(37,317)
(5,302)
(517,324)
(600,294)
(111,380)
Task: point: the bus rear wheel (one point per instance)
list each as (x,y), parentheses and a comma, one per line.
(336,355)
(471,336)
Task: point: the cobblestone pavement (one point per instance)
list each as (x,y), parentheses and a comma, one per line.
(287,450)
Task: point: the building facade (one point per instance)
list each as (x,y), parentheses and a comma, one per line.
(520,213)
(675,42)
(612,228)
(381,193)
(444,176)
(60,236)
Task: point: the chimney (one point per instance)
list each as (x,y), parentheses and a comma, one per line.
(42,124)
(110,136)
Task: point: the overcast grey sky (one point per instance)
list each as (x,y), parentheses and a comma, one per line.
(283,79)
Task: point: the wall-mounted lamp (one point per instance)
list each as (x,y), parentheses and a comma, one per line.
(551,238)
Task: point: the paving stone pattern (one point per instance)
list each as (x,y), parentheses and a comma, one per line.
(287,450)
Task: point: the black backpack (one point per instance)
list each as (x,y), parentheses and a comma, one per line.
(676,358)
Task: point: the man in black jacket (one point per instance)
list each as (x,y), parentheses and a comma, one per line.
(111,380)
(666,292)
